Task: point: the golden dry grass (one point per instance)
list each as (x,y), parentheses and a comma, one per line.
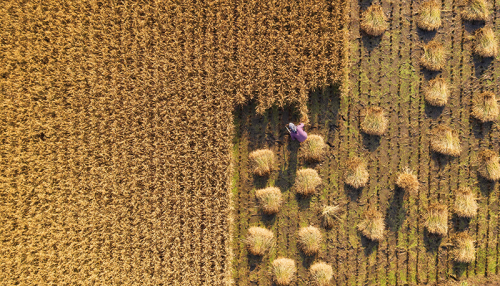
(486,44)
(262,161)
(465,203)
(313,149)
(434,56)
(374,121)
(475,10)
(374,22)
(436,92)
(270,199)
(321,273)
(485,107)
(372,226)
(464,250)
(306,181)
(408,181)
(283,271)
(259,240)
(429,17)
(310,239)
(489,165)
(329,214)
(356,174)
(437,219)
(444,140)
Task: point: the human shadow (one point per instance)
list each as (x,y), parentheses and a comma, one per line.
(371,142)
(396,212)
(432,111)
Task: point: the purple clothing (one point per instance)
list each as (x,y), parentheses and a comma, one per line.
(301,135)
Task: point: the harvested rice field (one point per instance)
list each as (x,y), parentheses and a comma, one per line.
(385,72)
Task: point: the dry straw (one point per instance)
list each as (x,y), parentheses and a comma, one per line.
(310,240)
(306,181)
(485,107)
(408,181)
(356,173)
(262,161)
(444,140)
(489,166)
(464,250)
(486,43)
(436,92)
(259,240)
(374,22)
(437,219)
(328,215)
(465,203)
(313,149)
(283,271)
(475,10)
(429,17)
(374,122)
(270,199)
(434,56)
(321,273)
(372,226)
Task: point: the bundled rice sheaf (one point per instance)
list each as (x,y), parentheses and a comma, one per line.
(486,43)
(328,215)
(408,181)
(444,140)
(489,166)
(485,107)
(437,219)
(464,250)
(356,173)
(321,273)
(306,181)
(310,240)
(373,225)
(270,199)
(283,271)
(259,240)
(262,161)
(313,149)
(374,122)
(374,22)
(434,56)
(429,17)
(465,203)
(436,93)
(475,10)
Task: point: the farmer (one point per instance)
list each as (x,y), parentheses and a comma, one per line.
(297,132)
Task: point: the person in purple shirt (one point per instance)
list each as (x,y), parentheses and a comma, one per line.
(297,132)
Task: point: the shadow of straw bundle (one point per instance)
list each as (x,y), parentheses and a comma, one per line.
(444,140)
(429,17)
(436,92)
(270,199)
(374,122)
(313,149)
(465,203)
(321,273)
(485,107)
(373,225)
(489,166)
(464,250)
(259,240)
(486,43)
(356,173)
(283,271)
(437,219)
(310,240)
(262,161)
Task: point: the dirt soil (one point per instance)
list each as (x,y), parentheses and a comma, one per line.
(385,72)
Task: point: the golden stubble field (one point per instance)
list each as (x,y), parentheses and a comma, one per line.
(116,129)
